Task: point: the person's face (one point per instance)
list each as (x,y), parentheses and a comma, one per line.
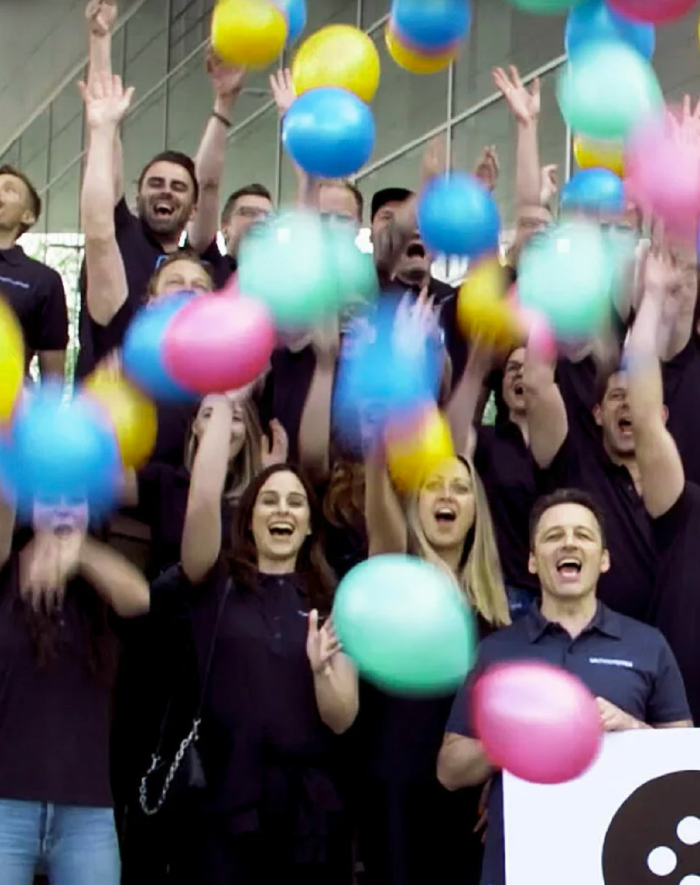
(568,554)
(414,263)
(61,516)
(446,505)
(15,203)
(245,212)
(166,199)
(531,220)
(512,389)
(238,425)
(613,417)
(281,520)
(182,276)
(338,202)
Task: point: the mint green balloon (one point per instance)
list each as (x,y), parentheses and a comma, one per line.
(545,7)
(567,274)
(355,270)
(405,624)
(608,90)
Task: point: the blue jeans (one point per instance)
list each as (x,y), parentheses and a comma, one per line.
(519,601)
(71,844)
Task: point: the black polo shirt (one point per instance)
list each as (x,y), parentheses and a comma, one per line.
(36,294)
(627,663)
(508,472)
(675,608)
(681,377)
(223,266)
(627,587)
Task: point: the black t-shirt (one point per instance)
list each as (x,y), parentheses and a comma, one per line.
(262,740)
(675,608)
(223,266)
(54,719)
(627,587)
(174,421)
(681,377)
(508,472)
(36,294)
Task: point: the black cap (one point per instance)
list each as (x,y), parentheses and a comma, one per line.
(389,195)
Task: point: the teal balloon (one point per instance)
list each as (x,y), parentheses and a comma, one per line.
(544,7)
(355,270)
(302,268)
(567,273)
(607,90)
(406,625)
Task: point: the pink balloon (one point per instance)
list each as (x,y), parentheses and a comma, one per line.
(215,344)
(536,721)
(652,11)
(663,173)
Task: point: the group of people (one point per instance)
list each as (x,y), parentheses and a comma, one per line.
(175,706)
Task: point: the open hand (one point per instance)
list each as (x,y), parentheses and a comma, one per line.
(227,81)
(282,88)
(48,563)
(278,451)
(523,102)
(106,100)
(321,644)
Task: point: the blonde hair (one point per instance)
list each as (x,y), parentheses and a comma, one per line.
(480,577)
(246,464)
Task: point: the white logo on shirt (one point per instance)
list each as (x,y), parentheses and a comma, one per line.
(611,662)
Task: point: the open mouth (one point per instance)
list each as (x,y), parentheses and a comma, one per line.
(281,529)
(569,567)
(445,515)
(625,426)
(64,530)
(415,250)
(518,388)
(163,210)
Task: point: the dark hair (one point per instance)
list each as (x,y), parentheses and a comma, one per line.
(250,190)
(178,255)
(605,371)
(178,159)
(564,496)
(34,197)
(349,186)
(312,565)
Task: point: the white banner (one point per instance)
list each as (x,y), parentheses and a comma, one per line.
(632,819)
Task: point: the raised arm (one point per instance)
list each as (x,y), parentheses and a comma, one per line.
(335,678)
(547,421)
(524,104)
(315,425)
(386,523)
(660,465)
(227,83)
(106,103)
(283,93)
(463,406)
(115,579)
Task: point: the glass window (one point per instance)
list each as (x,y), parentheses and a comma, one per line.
(675,60)
(404,171)
(143,137)
(11,155)
(66,129)
(252,155)
(189,105)
(63,209)
(503,35)
(372,11)
(34,150)
(327,12)
(189,28)
(146,47)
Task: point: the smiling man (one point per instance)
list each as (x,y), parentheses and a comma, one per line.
(628,666)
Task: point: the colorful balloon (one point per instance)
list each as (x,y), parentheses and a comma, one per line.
(338,55)
(430,26)
(607,90)
(458,216)
(412,61)
(216,344)
(593,190)
(295,10)
(653,11)
(599,154)
(483,311)
(575,252)
(536,721)
(405,624)
(132,416)
(12,362)
(544,7)
(416,446)
(594,20)
(329,132)
(249,33)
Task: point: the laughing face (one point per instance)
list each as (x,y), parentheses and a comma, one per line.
(166,199)
(281,522)
(512,390)
(568,554)
(613,417)
(446,505)
(60,516)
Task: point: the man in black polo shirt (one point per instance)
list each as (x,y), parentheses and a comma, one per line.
(627,665)
(34,291)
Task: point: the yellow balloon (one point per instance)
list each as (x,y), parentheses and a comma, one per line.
(338,55)
(12,365)
(412,61)
(248,33)
(415,450)
(603,154)
(131,414)
(483,312)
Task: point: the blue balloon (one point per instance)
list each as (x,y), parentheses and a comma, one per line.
(431,24)
(329,132)
(458,216)
(60,449)
(593,21)
(295,11)
(142,351)
(593,190)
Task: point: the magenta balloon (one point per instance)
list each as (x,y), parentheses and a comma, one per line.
(652,11)
(218,343)
(663,174)
(536,721)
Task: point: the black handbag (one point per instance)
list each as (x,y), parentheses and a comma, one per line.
(185,777)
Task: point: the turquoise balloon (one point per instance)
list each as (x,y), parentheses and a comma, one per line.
(567,273)
(355,270)
(607,90)
(406,625)
(544,7)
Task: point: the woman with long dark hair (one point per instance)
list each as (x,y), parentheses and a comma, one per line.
(278,690)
